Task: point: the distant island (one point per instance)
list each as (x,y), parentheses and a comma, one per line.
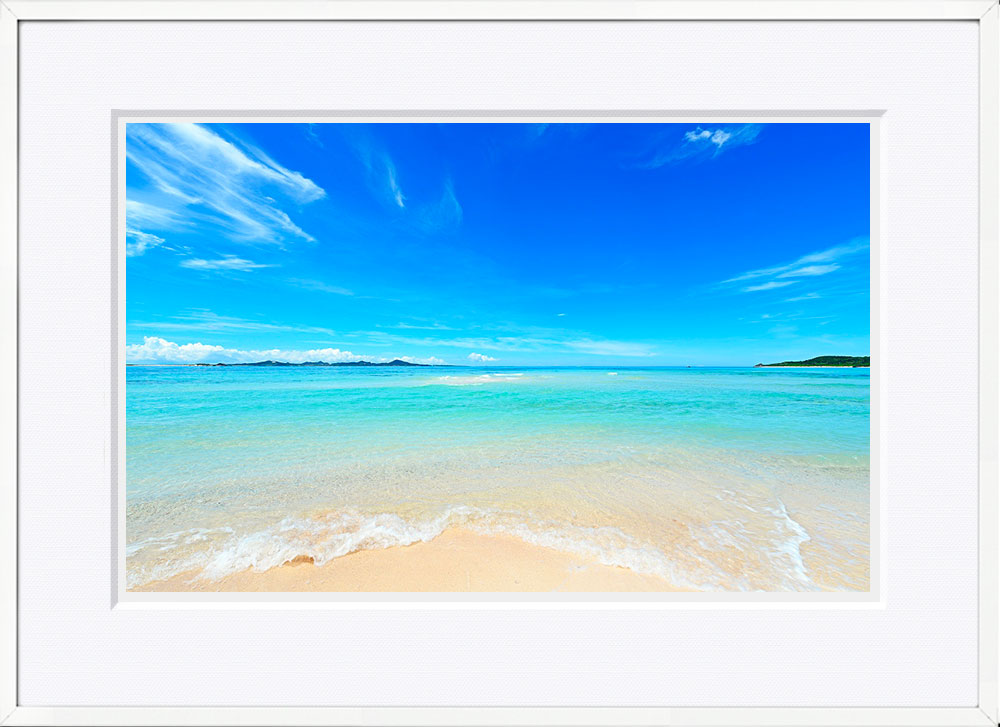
(839,361)
(394,362)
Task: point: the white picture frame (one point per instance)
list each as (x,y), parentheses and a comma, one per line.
(983,12)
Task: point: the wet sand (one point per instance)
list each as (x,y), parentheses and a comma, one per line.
(458,560)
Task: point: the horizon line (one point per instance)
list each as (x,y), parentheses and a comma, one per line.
(479,366)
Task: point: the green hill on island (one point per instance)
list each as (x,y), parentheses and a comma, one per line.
(843,361)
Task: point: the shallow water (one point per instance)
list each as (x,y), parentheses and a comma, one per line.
(714,478)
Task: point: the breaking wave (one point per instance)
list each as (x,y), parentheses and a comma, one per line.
(702,560)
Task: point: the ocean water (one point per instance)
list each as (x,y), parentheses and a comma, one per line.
(721,479)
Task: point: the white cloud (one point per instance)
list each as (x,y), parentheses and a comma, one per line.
(227,184)
(769,286)
(480,357)
(698,144)
(807,296)
(161,350)
(228,262)
(138,242)
(154,349)
(698,134)
(717,137)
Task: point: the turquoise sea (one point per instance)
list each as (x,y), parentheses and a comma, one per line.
(731,479)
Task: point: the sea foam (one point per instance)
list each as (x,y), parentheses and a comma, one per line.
(322,539)
(478,379)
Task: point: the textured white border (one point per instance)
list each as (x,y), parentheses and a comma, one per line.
(8,362)
(989,361)
(983,11)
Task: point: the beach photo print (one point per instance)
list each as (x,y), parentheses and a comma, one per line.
(476,357)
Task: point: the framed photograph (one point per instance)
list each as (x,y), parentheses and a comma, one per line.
(508,363)
(478,440)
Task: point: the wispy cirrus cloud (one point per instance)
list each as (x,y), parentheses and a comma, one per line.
(822,256)
(204,320)
(141,213)
(224,183)
(536,131)
(385,182)
(320,286)
(420,326)
(229,263)
(807,296)
(545,133)
(380,170)
(138,242)
(698,144)
(771,285)
(313,136)
(809,271)
(811,266)
(445,214)
(538,340)
(394,191)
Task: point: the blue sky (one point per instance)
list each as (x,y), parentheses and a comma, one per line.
(503,244)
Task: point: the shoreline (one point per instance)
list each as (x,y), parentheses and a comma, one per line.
(457,560)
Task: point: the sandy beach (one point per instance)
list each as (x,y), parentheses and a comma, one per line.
(458,560)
